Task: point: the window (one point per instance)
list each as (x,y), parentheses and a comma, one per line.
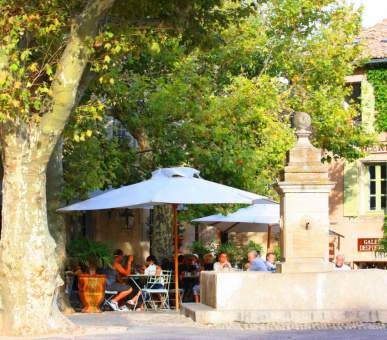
(354,98)
(80,226)
(376,187)
(121,132)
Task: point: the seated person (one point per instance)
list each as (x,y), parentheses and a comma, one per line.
(196,261)
(208,265)
(208,262)
(74,296)
(256,263)
(185,267)
(270,265)
(167,264)
(222,263)
(340,258)
(153,268)
(77,271)
(111,281)
(180,259)
(196,290)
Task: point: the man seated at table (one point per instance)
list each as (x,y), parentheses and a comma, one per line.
(186,267)
(270,265)
(340,265)
(196,261)
(256,263)
(167,264)
(180,259)
(111,280)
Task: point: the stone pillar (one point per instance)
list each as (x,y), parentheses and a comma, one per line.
(304,189)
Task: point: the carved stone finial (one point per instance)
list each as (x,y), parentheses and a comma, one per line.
(302,121)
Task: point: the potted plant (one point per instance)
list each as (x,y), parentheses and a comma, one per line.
(94,255)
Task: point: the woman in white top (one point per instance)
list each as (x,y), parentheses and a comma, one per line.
(222,263)
(152,269)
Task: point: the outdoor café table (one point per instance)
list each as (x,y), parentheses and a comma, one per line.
(139,276)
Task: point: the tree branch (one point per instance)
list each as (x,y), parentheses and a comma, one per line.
(149,24)
(72,66)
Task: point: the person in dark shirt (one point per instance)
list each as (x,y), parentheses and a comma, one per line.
(208,264)
(166,264)
(185,267)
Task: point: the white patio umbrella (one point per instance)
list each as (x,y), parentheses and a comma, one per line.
(255,218)
(169,186)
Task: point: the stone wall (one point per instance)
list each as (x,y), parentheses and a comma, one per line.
(339,296)
(132,241)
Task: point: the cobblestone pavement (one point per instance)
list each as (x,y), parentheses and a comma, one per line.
(173,319)
(172,325)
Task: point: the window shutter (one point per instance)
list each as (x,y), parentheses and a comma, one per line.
(351,206)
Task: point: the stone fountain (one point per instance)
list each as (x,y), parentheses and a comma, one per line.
(305,287)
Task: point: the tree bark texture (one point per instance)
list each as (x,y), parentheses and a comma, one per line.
(29,277)
(56,221)
(162,236)
(28,271)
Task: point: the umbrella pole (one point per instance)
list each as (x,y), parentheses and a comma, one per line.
(177,294)
(268,238)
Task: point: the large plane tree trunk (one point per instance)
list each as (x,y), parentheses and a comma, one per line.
(162,235)
(28,271)
(29,277)
(56,221)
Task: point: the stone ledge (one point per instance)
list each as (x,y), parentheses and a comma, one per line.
(204,315)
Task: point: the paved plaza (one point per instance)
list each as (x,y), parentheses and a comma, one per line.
(171,325)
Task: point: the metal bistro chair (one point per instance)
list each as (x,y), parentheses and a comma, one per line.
(149,293)
(109,295)
(172,291)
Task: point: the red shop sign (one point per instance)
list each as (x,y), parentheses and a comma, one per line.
(367,244)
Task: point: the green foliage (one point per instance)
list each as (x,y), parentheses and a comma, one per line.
(238,254)
(382,242)
(202,249)
(34,36)
(277,253)
(377,76)
(180,228)
(251,246)
(382,247)
(97,163)
(230,249)
(90,253)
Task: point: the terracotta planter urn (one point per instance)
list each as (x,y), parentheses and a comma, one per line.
(91,291)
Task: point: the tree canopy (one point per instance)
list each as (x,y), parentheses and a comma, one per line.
(227,111)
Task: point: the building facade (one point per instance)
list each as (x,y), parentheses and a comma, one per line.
(358,201)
